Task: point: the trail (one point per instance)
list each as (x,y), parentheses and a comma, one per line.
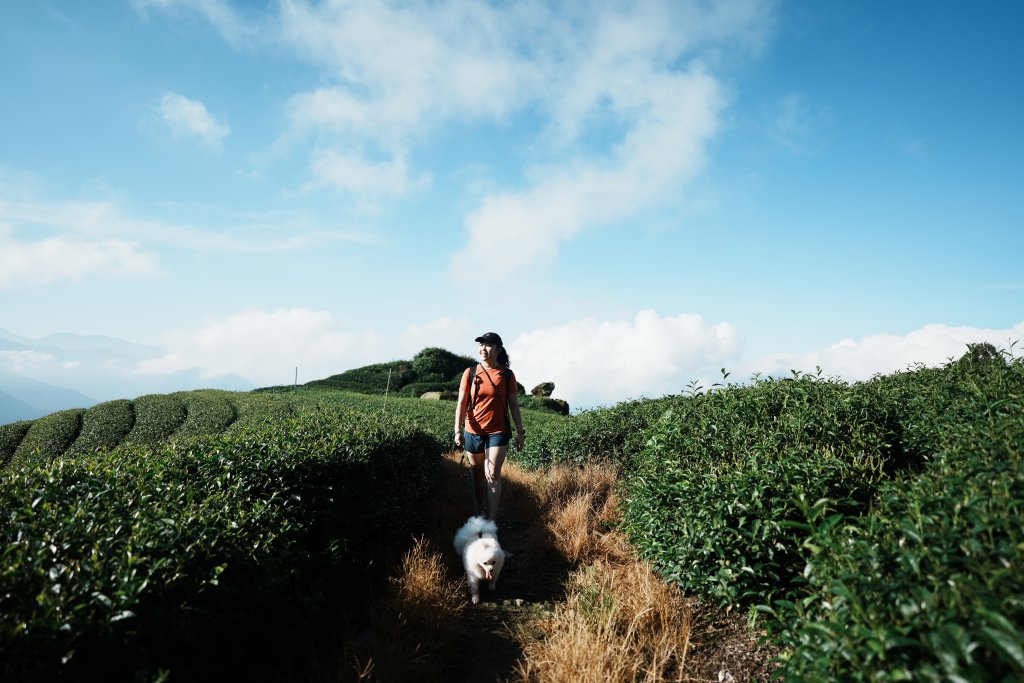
(433,633)
(531,581)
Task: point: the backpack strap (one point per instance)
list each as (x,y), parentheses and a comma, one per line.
(472,388)
(506,373)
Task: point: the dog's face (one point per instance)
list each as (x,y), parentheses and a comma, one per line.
(489,561)
(488,568)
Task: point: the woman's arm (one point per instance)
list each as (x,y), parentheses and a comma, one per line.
(460,410)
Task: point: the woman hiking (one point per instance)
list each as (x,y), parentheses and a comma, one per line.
(488,394)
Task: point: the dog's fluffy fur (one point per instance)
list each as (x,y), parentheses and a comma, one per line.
(477,543)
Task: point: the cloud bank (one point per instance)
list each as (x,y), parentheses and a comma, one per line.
(265,346)
(860,359)
(596,362)
(57,259)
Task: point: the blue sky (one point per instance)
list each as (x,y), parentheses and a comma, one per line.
(633,194)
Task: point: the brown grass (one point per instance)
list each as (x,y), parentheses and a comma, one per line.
(619,621)
(415,626)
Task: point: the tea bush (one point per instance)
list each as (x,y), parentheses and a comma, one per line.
(371,379)
(49,436)
(929,585)
(260,409)
(616,433)
(207,412)
(157,416)
(103,426)
(728,480)
(208,558)
(11,436)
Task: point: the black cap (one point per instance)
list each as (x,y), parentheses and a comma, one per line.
(490,338)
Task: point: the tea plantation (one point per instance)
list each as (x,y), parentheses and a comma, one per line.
(875,529)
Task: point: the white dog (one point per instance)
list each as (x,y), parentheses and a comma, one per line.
(477,543)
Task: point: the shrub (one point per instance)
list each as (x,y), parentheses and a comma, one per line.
(49,437)
(211,558)
(928,586)
(439,365)
(157,416)
(256,409)
(417,389)
(544,403)
(207,412)
(615,433)
(371,379)
(722,494)
(10,437)
(104,426)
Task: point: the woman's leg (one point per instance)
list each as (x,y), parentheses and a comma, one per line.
(492,471)
(479,481)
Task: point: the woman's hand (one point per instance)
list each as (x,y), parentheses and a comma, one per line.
(520,438)
(459,439)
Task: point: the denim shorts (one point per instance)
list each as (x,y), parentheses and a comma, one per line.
(476,443)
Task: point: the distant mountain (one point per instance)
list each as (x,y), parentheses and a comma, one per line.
(63,370)
(99,344)
(34,398)
(13,409)
(11,337)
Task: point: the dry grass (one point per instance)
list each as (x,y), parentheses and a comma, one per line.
(575,506)
(619,621)
(413,628)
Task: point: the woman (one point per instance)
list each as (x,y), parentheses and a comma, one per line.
(487,395)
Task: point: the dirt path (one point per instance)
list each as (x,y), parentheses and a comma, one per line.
(459,642)
(531,581)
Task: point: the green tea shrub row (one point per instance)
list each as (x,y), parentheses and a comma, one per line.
(103,426)
(616,433)
(371,379)
(719,496)
(207,412)
(256,409)
(153,419)
(157,416)
(212,558)
(929,585)
(52,433)
(417,389)
(11,436)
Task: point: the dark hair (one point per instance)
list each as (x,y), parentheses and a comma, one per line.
(503,359)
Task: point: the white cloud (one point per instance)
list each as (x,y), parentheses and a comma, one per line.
(674,116)
(393,73)
(596,362)
(359,175)
(60,258)
(187,118)
(25,361)
(853,360)
(265,346)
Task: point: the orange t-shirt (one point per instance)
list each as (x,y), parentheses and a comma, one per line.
(492,389)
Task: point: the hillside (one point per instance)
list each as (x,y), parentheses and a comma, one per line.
(431,370)
(871,530)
